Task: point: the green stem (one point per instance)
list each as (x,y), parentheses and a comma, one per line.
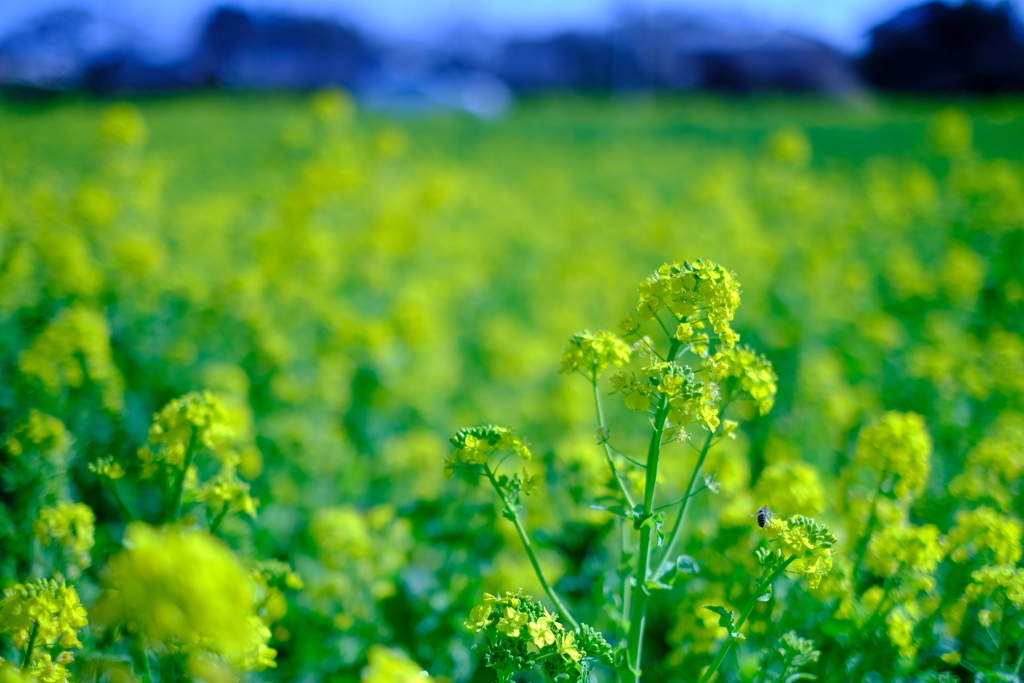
(673,536)
(215,524)
(638,610)
(143,656)
(759,590)
(862,544)
(607,448)
(31,646)
(511,514)
(178,494)
(125,512)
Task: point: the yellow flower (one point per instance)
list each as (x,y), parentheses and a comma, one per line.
(592,352)
(897,446)
(50,609)
(392,666)
(474,445)
(567,647)
(71,525)
(182,586)
(512,622)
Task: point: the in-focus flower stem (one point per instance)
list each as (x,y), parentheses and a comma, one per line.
(510,513)
(607,448)
(759,590)
(31,646)
(178,495)
(673,536)
(638,610)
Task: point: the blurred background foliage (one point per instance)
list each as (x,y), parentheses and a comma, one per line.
(355,287)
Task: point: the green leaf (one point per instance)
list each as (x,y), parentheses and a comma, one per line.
(767,595)
(617,510)
(725,618)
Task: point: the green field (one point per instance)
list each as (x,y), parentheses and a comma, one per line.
(352,288)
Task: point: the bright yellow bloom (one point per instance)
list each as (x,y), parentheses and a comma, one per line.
(512,622)
(896,547)
(791,485)
(567,647)
(897,446)
(985,531)
(196,420)
(474,445)
(592,352)
(392,666)
(187,588)
(72,526)
(52,609)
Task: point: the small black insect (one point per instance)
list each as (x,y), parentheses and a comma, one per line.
(764,516)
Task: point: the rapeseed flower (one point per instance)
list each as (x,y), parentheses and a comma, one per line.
(196,420)
(186,590)
(71,526)
(387,665)
(791,485)
(984,531)
(45,608)
(474,445)
(898,546)
(592,352)
(898,447)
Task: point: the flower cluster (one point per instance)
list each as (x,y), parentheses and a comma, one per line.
(791,485)
(905,546)
(474,445)
(806,545)
(181,427)
(689,399)
(753,371)
(72,526)
(73,348)
(522,632)
(897,447)
(994,467)
(392,666)
(592,352)
(985,532)
(693,291)
(42,433)
(188,591)
(50,610)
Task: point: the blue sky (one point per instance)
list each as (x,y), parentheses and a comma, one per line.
(841,22)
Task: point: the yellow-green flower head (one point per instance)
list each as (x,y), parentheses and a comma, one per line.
(791,485)
(755,374)
(392,666)
(512,621)
(683,289)
(12,674)
(226,489)
(592,352)
(899,626)
(1003,579)
(994,463)
(567,647)
(985,532)
(810,543)
(46,669)
(474,445)
(41,433)
(54,609)
(905,546)
(196,420)
(123,126)
(72,526)
(790,145)
(107,468)
(75,347)
(544,631)
(184,588)
(897,446)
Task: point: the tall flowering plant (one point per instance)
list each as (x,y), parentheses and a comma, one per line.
(683,370)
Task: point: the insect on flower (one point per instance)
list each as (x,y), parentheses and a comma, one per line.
(764,516)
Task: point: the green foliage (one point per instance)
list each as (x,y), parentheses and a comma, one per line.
(350,289)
